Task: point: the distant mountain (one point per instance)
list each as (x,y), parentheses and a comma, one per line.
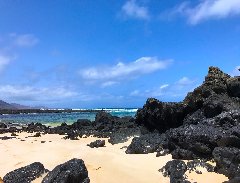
(19,106)
(5,105)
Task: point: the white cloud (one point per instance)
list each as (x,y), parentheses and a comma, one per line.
(108,83)
(28,93)
(210,9)
(25,40)
(143,65)
(4,61)
(133,10)
(135,93)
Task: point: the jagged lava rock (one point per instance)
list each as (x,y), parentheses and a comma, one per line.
(97,144)
(175,169)
(160,115)
(73,171)
(233,85)
(25,174)
(227,161)
(145,144)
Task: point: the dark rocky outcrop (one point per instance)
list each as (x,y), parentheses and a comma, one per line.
(70,172)
(145,144)
(227,161)
(160,115)
(25,174)
(175,169)
(97,144)
(233,85)
(3,125)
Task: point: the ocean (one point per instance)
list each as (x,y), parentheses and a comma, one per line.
(55,119)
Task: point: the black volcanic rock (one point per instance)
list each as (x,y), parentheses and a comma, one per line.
(73,171)
(233,85)
(36,127)
(81,123)
(25,174)
(147,143)
(175,169)
(227,161)
(97,144)
(160,115)
(3,125)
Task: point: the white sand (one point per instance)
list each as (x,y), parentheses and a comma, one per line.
(108,164)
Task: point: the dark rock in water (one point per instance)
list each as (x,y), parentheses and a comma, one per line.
(145,144)
(233,85)
(25,174)
(175,169)
(97,144)
(73,171)
(3,125)
(227,161)
(159,115)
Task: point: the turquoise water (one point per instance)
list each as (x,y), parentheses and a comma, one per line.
(54,119)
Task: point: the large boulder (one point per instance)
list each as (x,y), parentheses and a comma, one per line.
(193,141)
(160,115)
(175,169)
(227,161)
(70,172)
(25,174)
(147,143)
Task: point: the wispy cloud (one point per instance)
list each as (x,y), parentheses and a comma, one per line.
(209,9)
(179,89)
(25,40)
(4,61)
(109,75)
(29,93)
(108,83)
(132,9)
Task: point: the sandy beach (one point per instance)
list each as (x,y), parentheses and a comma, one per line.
(108,164)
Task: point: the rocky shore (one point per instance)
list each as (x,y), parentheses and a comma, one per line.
(203,128)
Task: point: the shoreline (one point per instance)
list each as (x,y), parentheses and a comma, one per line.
(107,164)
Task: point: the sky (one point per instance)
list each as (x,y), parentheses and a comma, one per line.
(108,53)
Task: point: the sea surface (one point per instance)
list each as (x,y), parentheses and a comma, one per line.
(55,119)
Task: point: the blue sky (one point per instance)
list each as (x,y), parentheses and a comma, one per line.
(108,53)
